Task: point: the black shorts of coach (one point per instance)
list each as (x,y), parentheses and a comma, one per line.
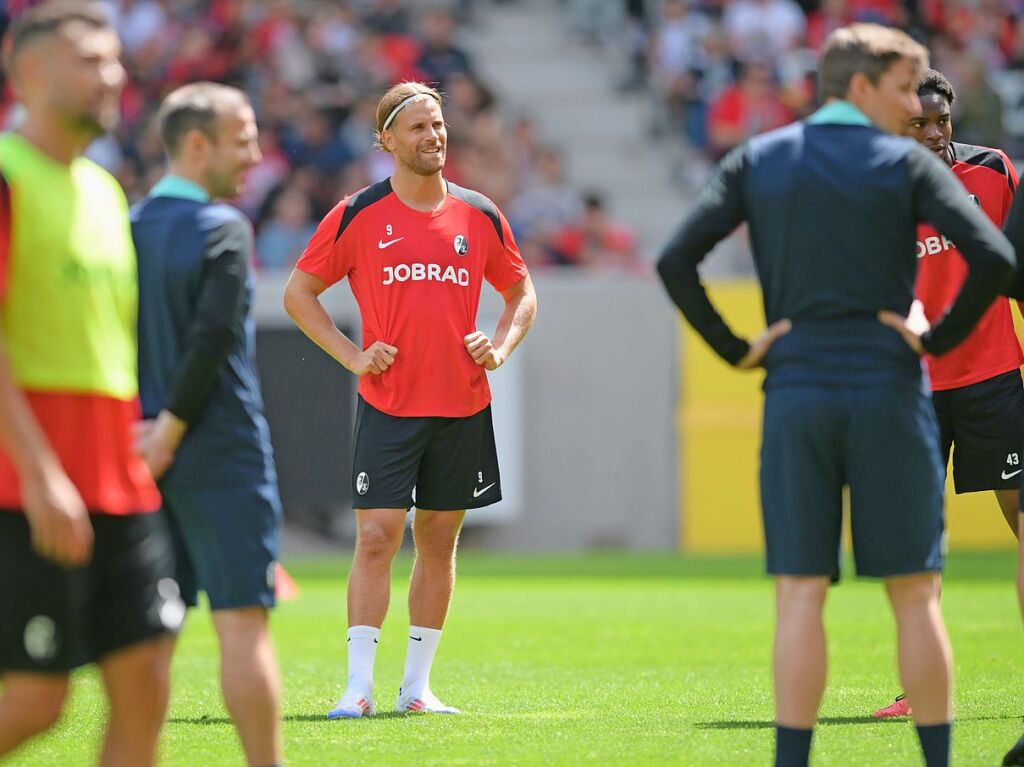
(983,424)
(450,463)
(54,619)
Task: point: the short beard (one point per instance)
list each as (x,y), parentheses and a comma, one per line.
(418,166)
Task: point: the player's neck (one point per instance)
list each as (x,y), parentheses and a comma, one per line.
(423,193)
(51,138)
(181,170)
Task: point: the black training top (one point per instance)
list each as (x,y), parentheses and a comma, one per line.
(833,210)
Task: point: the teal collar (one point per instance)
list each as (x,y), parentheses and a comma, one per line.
(176,186)
(839,112)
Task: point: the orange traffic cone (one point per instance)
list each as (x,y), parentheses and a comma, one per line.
(284,586)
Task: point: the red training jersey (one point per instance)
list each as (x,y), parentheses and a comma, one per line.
(417,277)
(992,347)
(91,434)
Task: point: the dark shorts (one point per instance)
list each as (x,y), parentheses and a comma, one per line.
(226,543)
(451,462)
(983,424)
(54,619)
(881,442)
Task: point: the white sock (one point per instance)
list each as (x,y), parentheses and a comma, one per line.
(422,646)
(362,650)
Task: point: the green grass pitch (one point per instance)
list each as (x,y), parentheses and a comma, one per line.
(643,660)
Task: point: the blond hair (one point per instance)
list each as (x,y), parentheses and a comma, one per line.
(392,101)
(866,48)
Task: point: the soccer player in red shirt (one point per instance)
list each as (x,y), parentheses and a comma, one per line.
(415,249)
(976,387)
(1014,230)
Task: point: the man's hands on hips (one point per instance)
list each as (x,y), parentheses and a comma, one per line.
(482,351)
(759,346)
(911,327)
(374,359)
(57,517)
(157,441)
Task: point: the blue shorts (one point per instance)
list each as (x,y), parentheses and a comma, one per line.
(880,441)
(226,543)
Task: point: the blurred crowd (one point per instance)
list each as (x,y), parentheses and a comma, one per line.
(723,70)
(314,70)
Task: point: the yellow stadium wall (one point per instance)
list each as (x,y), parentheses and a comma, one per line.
(720,431)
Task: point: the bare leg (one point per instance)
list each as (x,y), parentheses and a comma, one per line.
(925,657)
(1020,565)
(31,705)
(137,681)
(1009,504)
(378,539)
(436,534)
(1016,754)
(250,682)
(801,658)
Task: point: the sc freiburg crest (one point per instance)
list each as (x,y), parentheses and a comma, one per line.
(461,244)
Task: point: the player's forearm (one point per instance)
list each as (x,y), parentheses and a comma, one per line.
(686,291)
(516,319)
(20,434)
(311,318)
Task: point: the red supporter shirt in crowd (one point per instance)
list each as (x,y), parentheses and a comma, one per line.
(417,278)
(992,347)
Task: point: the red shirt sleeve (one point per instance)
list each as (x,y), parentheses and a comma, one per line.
(5,236)
(324,257)
(504,267)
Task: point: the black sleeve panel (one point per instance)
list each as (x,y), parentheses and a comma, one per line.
(717,212)
(219,317)
(362,200)
(1014,230)
(939,199)
(985,157)
(481,203)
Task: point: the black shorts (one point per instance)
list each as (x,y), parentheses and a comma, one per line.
(881,441)
(984,425)
(54,619)
(226,542)
(451,462)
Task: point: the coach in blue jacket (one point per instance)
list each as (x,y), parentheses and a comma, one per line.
(207,441)
(832,205)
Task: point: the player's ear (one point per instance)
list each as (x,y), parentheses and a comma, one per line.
(387,140)
(195,145)
(859,84)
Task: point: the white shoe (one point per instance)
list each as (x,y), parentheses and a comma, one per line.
(354,703)
(426,703)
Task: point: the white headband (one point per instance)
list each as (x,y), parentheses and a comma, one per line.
(402,106)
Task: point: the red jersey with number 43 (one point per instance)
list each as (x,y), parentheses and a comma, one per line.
(417,277)
(992,347)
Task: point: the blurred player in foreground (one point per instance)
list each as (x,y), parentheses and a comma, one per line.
(208,442)
(85,560)
(832,205)
(976,387)
(416,250)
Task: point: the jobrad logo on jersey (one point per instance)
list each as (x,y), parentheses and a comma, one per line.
(929,246)
(425,272)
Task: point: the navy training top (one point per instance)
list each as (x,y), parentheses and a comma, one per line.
(832,209)
(197,338)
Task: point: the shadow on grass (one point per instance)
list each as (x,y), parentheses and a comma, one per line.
(223,720)
(768,725)
(961,566)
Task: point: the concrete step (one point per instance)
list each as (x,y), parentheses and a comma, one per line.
(524,54)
